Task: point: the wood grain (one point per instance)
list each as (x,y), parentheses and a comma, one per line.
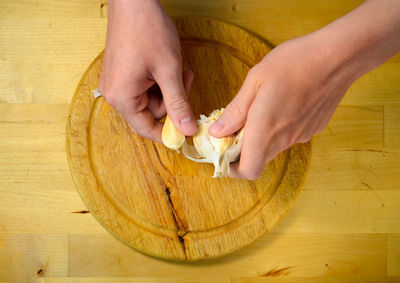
(188,279)
(46,57)
(272,279)
(299,254)
(24,257)
(50,8)
(45,46)
(344,211)
(156,200)
(341,279)
(394,254)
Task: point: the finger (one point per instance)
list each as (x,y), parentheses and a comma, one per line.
(250,167)
(139,117)
(234,116)
(176,101)
(255,144)
(145,125)
(304,139)
(156,103)
(251,162)
(156,106)
(262,140)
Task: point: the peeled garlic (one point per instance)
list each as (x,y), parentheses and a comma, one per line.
(208,149)
(170,135)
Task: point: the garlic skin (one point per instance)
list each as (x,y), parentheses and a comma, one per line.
(96,93)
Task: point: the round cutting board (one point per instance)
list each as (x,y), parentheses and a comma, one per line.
(154,199)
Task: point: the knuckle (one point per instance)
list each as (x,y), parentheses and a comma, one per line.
(320,129)
(250,172)
(235,111)
(179,104)
(138,103)
(295,135)
(291,141)
(112,94)
(112,98)
(251,175)
(253,72)
(256,77)
(149,134)
(309,137)
(304,139)
(144,134)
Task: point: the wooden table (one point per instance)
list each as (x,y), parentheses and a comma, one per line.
(345,225)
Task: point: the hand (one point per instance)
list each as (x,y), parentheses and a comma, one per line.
(292,93)
(142,49)
(286,99)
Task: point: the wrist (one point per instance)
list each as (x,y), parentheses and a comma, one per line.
(363,39)
(132,1)
(132,6)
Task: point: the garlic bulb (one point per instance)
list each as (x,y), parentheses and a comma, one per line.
(206,144)
(208,149)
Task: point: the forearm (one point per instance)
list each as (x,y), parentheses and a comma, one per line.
(363,39)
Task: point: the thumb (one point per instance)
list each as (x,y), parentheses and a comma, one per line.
(176,100)
(235,114)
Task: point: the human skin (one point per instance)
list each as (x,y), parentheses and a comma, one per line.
(292,93)
(285,99)
(143,49)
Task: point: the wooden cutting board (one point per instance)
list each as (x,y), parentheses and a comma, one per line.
(154,199)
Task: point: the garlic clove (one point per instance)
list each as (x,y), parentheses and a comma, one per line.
(170,135)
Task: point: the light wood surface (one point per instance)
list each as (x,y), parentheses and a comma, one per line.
(153,198)
(347,215)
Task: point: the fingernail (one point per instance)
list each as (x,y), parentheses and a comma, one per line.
(216,127)
(188,126)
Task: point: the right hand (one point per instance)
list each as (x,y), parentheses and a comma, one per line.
(142,49)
